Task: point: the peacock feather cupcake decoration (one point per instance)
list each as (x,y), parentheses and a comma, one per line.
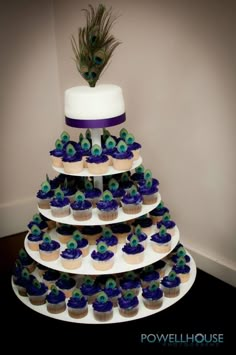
(95,45)
(65,137)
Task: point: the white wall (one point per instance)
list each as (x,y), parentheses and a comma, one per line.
(176,66)
(30,109)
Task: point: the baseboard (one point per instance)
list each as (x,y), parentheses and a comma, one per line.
(16,215)
(214,267)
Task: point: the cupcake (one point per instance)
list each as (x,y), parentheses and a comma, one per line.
(102,258)
(107,207)
(72,160)
(148,275)
(152,296)
(69,189)
(23,281)
(57,154)
(50,277)
(71,257)
(37,292)
(117,193)
(26,261)
(130,282)
(90,288)
(44,195)
(148,176)
(77,305)
(157,213)
(128,304)
(149,192)
(109,148)
(108,238)
(82,243)
(142,237)
(92,233)
(161,241)
(49,250)
(133,251)
(145,223)
(132,201)
(56,301)
(66,284)
(112,291)
(81,208)
(122,157)
(121,230)
(60,205)
(171,285)
(125,182)
(39,222)
(91,193)
(182,270)
(102,307)
(133,146)
(97,162)
(35,238)
(167,223)
(64,233)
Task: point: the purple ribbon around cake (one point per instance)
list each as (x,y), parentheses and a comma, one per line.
(98,123)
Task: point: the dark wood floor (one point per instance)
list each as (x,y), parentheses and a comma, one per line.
(206,309)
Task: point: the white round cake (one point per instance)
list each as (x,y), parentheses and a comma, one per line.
(94,107)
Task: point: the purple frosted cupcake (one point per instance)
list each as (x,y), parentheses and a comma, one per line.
(122,157)
(71,257)
(109,148)
(81,208)
(182,270)
(60,205)
(44,195)
(97,162)
(128,304)
(107,207)
(148,275)
(133,146)
(77,305)
(102,258)
(37,292)
(50,277)
(161,241)
(26,261)
(23,281)
(133,251)
(82,243)
(121,230)
(91,193)
(132,201)
(56,301)
(167,223)
(142,237)
(152,296)
(102,307)
(57,154)
(144,222)
(171,285)
(138,174)
(65,232)
(116,191)
(72,160)
(35,238)
(130,282)
(92,233)
(39,222)
(49,250)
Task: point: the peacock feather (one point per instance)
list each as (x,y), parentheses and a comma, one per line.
(95,44)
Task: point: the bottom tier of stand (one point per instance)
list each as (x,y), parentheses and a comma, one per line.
(117,317)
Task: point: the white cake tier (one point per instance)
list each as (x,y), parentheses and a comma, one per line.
(110,170)
(97,107)
(95,220)
(117,318)
(120,265)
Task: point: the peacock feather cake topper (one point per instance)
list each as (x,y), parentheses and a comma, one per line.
(95,43)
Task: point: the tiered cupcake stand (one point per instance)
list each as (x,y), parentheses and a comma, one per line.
(119,266)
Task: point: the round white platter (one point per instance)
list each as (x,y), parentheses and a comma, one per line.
(120,265)
(117,318)
(110,171)
(95,220)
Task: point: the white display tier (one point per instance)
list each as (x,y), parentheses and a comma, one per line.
(117,318)
(94,221)
(120,264)
(110,171)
